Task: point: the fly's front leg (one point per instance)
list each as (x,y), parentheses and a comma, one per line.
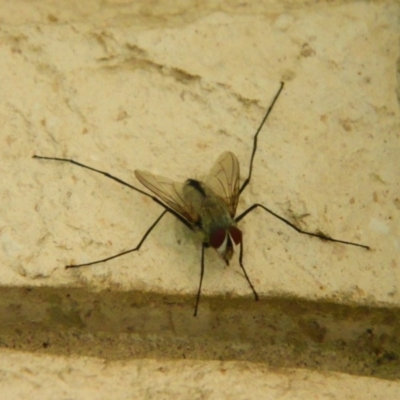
(245,273)
(203,247)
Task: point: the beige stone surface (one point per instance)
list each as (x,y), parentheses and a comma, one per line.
(167,87)
(47,377)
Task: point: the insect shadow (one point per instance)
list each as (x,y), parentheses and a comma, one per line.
(208,207)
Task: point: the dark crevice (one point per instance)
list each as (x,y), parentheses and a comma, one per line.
(275,331)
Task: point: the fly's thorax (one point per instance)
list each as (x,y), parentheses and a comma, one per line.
(211,210)
(194,195)
(215,222)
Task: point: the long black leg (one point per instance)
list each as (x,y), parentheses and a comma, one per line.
(124,252)
(247,180)
(106,174)
(244,271)
(203,247)
(318,235)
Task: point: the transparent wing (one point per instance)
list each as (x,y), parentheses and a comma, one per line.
(169,192)
(224,180)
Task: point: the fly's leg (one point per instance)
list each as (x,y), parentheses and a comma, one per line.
(124,252)
(120,181)
(202,275)
(245,273)
(247,180)
(319,235)
(68,160)
(203,247)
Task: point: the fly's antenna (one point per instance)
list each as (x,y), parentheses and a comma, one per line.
(247,181)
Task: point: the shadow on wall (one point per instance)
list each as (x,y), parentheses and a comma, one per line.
(275,331)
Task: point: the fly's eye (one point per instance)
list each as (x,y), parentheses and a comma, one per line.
(235,234)
(217,238)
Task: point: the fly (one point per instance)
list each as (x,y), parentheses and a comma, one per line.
(208,207)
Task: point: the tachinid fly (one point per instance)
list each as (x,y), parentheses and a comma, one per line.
(208,207)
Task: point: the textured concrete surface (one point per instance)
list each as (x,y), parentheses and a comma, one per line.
(78,378)
(167,88)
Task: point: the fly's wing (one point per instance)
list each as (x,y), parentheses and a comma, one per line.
(169,192)
(224,180)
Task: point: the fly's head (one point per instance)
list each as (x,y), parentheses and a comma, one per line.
(224,241)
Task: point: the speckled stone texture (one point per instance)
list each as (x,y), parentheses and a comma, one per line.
(167,87)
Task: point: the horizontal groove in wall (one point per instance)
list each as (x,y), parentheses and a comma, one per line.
(278,332)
